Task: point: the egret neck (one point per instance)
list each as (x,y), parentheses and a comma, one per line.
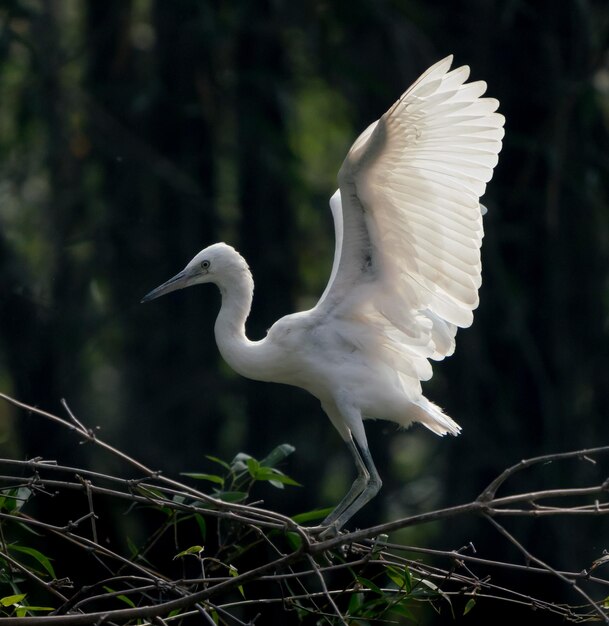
(237,290)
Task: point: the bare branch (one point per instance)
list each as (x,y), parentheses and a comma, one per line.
(569,581)
(352,557)
(585,455)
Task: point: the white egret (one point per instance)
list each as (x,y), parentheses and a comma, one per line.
(406,271)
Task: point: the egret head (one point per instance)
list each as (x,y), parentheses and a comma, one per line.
(218,263)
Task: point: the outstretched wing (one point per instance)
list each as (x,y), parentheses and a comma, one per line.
(408,219)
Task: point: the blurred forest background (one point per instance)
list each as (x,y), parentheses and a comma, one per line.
(135,132)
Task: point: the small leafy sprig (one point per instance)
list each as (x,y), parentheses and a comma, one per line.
(244,471)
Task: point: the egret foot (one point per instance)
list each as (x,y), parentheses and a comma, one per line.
(323,531)
(329,532)
(316,530)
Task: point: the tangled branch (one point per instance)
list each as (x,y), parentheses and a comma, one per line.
(265,559)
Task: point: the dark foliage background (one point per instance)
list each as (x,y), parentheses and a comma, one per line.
(135,132)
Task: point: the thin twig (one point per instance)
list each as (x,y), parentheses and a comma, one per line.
(489,493)
(87,485)
(324,587)
(569,581)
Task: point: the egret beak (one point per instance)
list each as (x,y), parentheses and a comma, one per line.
(179,281)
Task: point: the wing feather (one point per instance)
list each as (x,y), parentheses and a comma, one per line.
(408,221)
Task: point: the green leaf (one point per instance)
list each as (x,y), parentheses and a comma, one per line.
(35,554)
(239,463)
(396,576)
(231,496)
(12,600)
(211,477)
(252,467)
(373,609)
(368,583)
(429,584)
(202,525)
(294,539)
(32,609)
(309,516)
(408,579)
(12,500)
(471,603)
(356,602)
(127,600)
(272,474)
(215,459)
(277,455)
(23,495)
(121,597)
(401,578)
(132,547)
(150,492)
(29,529)
(435,590)
(193,550)
(379,544)
(403,611)
(232,570)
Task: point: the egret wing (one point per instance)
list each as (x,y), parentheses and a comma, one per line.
(408,219)
(337,216)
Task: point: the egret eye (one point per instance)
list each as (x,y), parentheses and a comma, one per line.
(205,264)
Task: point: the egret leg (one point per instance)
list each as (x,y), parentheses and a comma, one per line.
(358,486)
(371,488)
(368,482)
